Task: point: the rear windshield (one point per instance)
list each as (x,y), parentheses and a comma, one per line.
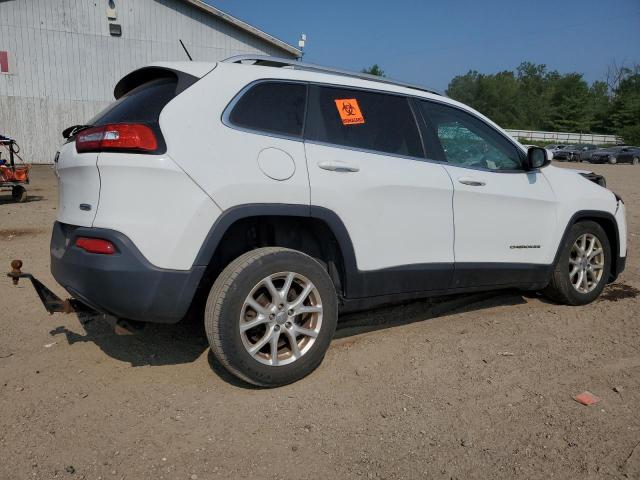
(143,104)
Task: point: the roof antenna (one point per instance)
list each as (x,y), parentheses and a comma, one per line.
(185,50)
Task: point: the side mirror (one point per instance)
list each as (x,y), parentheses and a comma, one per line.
(537,158)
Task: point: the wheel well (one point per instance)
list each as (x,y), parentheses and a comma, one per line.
(305,234)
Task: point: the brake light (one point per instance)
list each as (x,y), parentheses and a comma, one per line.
(117,136)
(96,245)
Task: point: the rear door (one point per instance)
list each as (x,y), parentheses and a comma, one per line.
(504,216)
(366,164)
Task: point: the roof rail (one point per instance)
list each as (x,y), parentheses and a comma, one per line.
(269,61)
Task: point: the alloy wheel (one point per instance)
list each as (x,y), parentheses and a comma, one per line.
(281,318)
(586,263)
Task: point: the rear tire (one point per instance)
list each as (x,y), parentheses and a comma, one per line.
(613,160)
(635,161)
(260,327)
(582,270)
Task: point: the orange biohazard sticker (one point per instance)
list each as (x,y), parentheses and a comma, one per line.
(349,111)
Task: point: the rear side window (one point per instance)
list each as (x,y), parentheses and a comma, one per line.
(272,107)
(363,120)
(143,104)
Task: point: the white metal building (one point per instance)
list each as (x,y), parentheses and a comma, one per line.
(60,59)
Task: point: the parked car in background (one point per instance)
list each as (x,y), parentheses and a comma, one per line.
(629,155)
(548,150)
(613,155)
(555,146)
(585,152)
(562,154)
(575,153)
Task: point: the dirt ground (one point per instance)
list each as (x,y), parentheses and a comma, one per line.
(423,390)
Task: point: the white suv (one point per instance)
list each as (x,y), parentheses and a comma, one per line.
(279,193)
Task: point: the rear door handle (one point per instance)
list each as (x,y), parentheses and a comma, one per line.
(471,182)
(336,166)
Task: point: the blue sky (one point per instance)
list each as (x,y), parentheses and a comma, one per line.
(430,42)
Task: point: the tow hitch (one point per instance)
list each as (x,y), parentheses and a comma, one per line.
(52,303)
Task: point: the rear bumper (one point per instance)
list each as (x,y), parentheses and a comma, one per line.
(124,284)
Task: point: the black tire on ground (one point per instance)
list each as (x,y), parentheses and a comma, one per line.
(613,160)
(225,303)
(635,160)
(560,288)
(19,194)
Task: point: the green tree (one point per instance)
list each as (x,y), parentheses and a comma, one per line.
(625,107)
(374,70)
(600,105)
(535,98)
(534,94)
(568,109)
(464,88)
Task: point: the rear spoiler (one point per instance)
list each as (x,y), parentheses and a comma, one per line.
(154,72)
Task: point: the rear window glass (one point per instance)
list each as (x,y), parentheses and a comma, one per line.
(272,107)
(363,120)
(143,104)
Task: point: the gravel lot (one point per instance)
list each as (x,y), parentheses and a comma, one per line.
(423,390)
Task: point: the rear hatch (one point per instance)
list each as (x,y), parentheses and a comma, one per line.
(128,126)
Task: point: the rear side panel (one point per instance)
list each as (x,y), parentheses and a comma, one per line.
(227,162)
(152,201)
(79,186)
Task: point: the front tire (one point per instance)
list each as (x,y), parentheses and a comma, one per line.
(635,161)
(583,267)
(271,315)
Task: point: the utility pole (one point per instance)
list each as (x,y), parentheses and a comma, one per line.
(301,44)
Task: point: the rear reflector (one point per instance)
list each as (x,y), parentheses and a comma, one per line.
(96,245)
(117,136)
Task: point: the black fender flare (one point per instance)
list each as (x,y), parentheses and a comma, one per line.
(617,262)
(330,218)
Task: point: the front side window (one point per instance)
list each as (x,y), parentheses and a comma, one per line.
(469,142)
(272,107)
(363,120)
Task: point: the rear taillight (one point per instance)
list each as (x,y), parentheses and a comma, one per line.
(117,136)
(96,245)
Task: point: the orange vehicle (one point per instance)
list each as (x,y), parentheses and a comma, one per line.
(13,177)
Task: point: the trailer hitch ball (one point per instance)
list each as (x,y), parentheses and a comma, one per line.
(16,265)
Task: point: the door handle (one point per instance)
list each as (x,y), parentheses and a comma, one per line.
(335,166)
(471,182)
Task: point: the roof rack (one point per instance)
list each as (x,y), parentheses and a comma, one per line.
(269,61)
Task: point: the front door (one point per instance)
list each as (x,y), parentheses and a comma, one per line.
(504,216)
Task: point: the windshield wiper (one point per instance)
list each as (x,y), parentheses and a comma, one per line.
(69,132)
